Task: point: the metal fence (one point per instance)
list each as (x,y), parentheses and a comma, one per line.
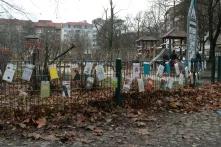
(25,95)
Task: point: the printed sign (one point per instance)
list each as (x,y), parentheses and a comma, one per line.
(45,89)
(9,72)
(136,70)
(53,72)
(66,88)
(100,72)
(88,68)
(146,68)
(160,70)
(26,75)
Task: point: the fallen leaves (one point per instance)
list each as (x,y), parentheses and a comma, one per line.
(41,122)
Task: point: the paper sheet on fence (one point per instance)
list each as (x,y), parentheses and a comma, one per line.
(181,79)
(66,88)
(45,89)
(136,70)
(146,68)
(26,75)
(53,72)
(9,72)
(127,84)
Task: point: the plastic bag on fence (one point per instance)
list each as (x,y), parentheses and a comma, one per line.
(9,72)
(88,68)
(53,72)
(177,69)
(160,70)
(66,88)
(127,84)
(27,73)
(45,89)
(89,83)
(181,79)
(149,85)
(170,82)
(100,72)
(136,70)
(140,85)
(146,68)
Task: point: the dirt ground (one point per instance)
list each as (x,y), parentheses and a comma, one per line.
(123,129)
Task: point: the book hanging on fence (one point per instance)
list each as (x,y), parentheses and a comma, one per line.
(136,70)
(114,82)
(45,89)
(167,67)
(9,72)
(127,84)
(100,72)
(149,85)
(89,83)
(88,68)
(181,79)
(186,72)
(146,68)
(74,68)
(170,82)
(53,72)
(26,75)
(66,88)
(140,85)
(177,69)
(160,70)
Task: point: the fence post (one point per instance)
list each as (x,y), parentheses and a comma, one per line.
(118,97)
(219,69)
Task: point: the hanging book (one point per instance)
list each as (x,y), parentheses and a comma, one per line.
(160,71)
(89,83)
(100,72)
(127,84)
(53,72)
(26,75)
(149,85)
(114,82)
(136,70)
(167,66)
(66,88)
(146,68)
(140,85)
(45,89)
(177,69)
(88,68)
(181,79)
(9,72)
(74,70)
(170,82)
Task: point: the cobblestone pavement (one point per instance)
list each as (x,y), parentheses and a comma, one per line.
(164,129)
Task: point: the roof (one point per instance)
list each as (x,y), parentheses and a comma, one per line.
(81,23)
(174,34)
(147,38)
(48,24)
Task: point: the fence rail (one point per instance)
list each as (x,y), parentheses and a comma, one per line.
(25,95)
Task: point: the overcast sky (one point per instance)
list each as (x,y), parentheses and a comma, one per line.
(78,10)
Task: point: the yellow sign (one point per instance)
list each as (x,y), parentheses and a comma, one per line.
(53,72)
